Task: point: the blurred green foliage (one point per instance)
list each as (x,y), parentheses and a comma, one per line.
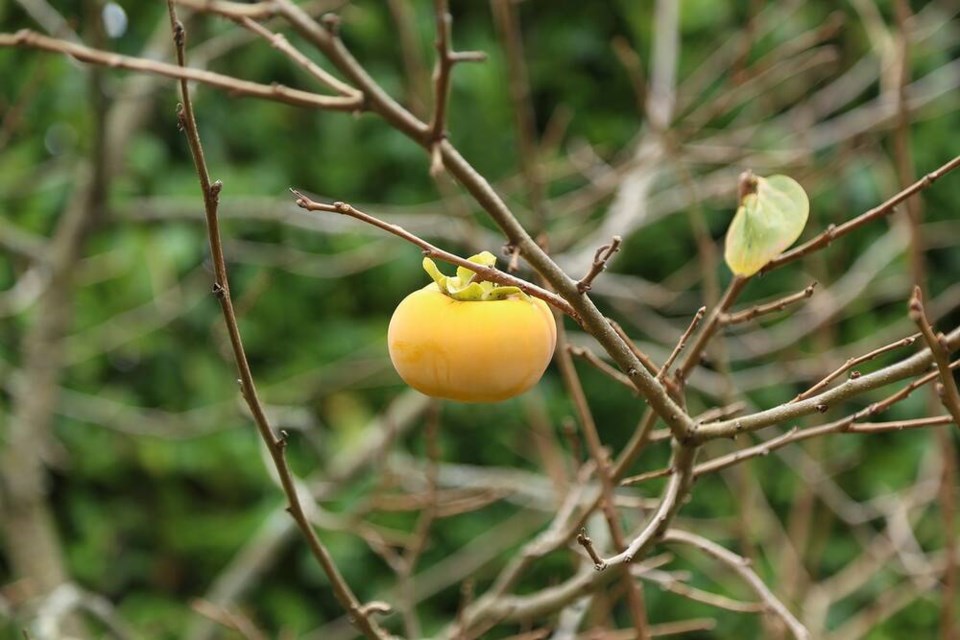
(162,479)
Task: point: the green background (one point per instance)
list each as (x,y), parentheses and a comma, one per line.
(160,479)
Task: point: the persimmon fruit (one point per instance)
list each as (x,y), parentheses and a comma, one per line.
(471,341)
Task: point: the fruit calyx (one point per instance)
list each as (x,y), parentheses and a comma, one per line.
(467,286)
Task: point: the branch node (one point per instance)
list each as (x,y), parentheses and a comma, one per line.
(587,543)
(331,22)
(179,34)
(600,259)
(942,341)
(681,343)
(512,250)
(218,290)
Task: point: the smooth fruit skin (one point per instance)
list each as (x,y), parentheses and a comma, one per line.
(471,351)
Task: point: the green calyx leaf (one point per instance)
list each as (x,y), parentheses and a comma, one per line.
(466,285)
(771,216)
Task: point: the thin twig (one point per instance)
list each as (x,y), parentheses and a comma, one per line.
(720,413)
(897,425)
(640,438)
(586,542)
(487,273)
(648,475)
(233,10)
(911,366)
(630,61)
(742,567)
(709,328)
(644,359)
(835,231)
(947,497)
(852,362)
(846,425)
(280,42)
(601,366)
(769,307)
(600,259)
(670,502)
(681,627)
(421,532)
(713,599)
(947,389)
(234,86)
(221,288)
(601,459)
(795,435)
(229,619)
(681,343)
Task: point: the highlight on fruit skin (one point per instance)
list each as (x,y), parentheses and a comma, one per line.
(488,344)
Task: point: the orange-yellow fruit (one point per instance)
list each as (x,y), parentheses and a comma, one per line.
(471,351)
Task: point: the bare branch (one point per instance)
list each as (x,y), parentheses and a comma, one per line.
(602,366)
(221,289)
(229,619)
(852,362)
(670,501)
(947,389)
(847,425)
(674,585)
(681,343)
(487,273)
(742,567)
(644,359)
(279,42)
(601,459)
(820,403)
(770,307)
(649,475)
(233,10)
(710,327)
(587,543)
(600,259)
(235,86)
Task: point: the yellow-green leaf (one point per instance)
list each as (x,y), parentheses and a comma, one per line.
(769,220)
